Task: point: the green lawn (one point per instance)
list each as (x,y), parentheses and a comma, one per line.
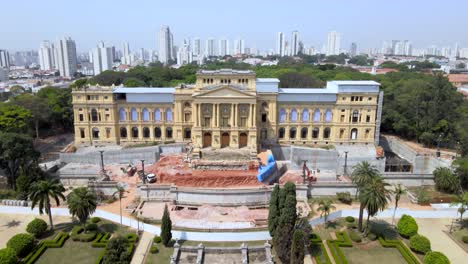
(457,235)
(162,257)
(373,254)
(72,252)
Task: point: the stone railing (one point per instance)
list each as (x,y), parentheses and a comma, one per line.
(15,202)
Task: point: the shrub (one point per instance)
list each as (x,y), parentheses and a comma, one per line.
(350,219)
(91,227)
(465,239)
(117,251)
(131,237)
(445,180)
(37,227)
(404,251)
(435,257)
(95,220)
(154,249)
(23,244)
(344,197)
(78,234)
(351,225)
(157,239)
(407,226)
(420,244)
(372,236)
(355,236)
(7,194)
(8,256)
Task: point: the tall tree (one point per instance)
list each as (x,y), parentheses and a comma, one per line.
(398,191)
(285,229)
(297,248)
(120,193)
(38,107)
(273,210)
(43,192)
(82,203)
(325,207)
(166,227)
(60,105)
(374,196)
(14,118)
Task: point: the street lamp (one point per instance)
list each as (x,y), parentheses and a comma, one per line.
(345,171)
(438,145)
(143,171)
(102,161)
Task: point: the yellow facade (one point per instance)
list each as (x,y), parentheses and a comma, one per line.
(224,108)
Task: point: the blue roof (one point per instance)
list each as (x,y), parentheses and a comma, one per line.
(144,90)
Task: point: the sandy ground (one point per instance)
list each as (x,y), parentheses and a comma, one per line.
(12,224)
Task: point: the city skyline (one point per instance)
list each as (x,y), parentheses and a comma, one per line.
(378,25)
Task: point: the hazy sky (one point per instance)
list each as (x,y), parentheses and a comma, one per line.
(25,23)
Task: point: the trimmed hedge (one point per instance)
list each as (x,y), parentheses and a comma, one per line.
(37,227)
(157,239)
(353,225)
(91,227)
(101,240)
(355,236)
(372,236)
(342,240)
(350,219)
(435,257)
(420,244)
(154,249)
(465,239)
(58,242)
(407,226)
(95,220)
(131,237)
(78,234)
(23,244)
(8,256)
(404,251)
(316,241)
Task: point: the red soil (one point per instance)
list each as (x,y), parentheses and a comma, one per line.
(172,169)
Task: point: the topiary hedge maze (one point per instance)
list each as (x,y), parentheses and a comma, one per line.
(342,240)
(57,242)
(318,249)
(404,251)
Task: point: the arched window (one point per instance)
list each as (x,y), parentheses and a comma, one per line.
(281,132)
(134,132)
(157,115)
(187,133)
(304,132)
(146,132)
(292,133)
(95,131)
(157,132)
(355,116)
(328,115)
(169,132)
(317,115)
(354,133)
(122,114)
(123,132)
(305,115)
(326,132)
(168,115)
(315,132)
(293,115)
(145,114)
(134,114)
(282,115)
(94,115)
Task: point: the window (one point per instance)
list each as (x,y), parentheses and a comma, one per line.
(282,115)
(207,122)
(107,117)
(95,131)
(355,116)
(81,117)
(82,133)
(317,115)
(292,133)
(326,132)
(243,121)
(122,114)
(89,97)
(354,132)
(360,98)
(94,115)
(264,117)
(304,132)
(293,115)
(157,132)
(157,115)
(105,97)
(188,116)
(370,98)
(352,98)
(168,115)
(328,115)
(108,132)
(187,133)
(145,114)
(342,133)
(281,132)
(225,122)
(342,118)
(315,132)
(146,132)
(134,132)
(305,115)
(123,132)
(367,118)
(169,132)
(134,114)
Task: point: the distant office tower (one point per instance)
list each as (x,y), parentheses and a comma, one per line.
(239,46)
(184,55)
(294,43)
(210,47)
(46,56)
(4,59)
(456,51)
(166,45)
(301,48)
(3,74)
(280,45)
(196,48)
(102,58)
(333,43)
(223,47)
(126,57)
(66,57)
(353,50)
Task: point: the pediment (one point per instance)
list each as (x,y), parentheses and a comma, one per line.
(223,92)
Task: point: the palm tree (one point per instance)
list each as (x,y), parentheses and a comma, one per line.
(325,206)
(363,174)
(120,194)
(398,191)
(462,201)
(41,194)
(374,196)
(82,203)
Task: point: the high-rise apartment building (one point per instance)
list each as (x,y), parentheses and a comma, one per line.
(353,50)
(46,56)
(66,57)
(4,59)
(102,58)
(239,47)
(223,47)
(196,48)
(294,43)
(280,44)
(166,45)
(126,57)
(333,43)
(210,47)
